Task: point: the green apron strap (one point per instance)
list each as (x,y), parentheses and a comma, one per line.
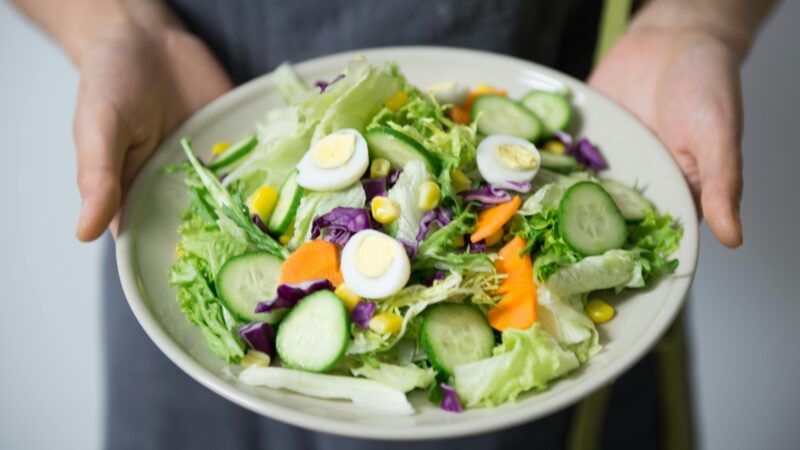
(613,23)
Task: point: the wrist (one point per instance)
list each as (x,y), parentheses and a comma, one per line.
(712,20)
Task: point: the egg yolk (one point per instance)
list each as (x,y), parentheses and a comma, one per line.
(516,157)
(333,151)
(442,86)
(374,255)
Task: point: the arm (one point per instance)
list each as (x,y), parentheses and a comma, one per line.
(141,74)
(683,57)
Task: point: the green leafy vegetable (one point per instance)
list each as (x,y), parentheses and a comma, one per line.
(613,269)
(653,240)
(565,319)
(315,204)
(405,193)
(525,360)
(404,378)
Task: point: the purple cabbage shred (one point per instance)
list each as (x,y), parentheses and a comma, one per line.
(259,223)
(432,278)
(340,224)
(374,187)
(439,217)
(478,247)
(411,248)
(362,314)
(394,176)
(259,336)
(583,151)
(323,85)
(450,400)
(289,294)
(487,195)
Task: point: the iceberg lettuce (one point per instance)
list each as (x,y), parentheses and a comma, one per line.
(315,204)
(564,318)
(405,193)
(613,269)
(525,360)
(404,378)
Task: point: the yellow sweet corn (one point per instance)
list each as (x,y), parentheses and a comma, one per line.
(397,101)
(429,196)
(287,235)
(379,168)
(495,237)
(599,311)
(386,322)
(263,202)
(385,210)
(460,180)
(554,146)
(349,297)
(220,147)
(180,252)
(255,358)
(482,88)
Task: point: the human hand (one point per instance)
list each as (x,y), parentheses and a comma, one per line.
(136,85)
(684,84)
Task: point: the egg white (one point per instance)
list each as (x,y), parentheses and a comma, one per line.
(449,92)
(492,169)
(391,281)
(315,178)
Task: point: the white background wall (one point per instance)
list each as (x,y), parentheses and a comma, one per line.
(744,313)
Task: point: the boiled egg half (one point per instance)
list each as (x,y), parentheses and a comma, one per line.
(507,158)
(448,92)
(374,265)
(334,162)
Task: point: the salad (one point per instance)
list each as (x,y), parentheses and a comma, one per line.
(372,238)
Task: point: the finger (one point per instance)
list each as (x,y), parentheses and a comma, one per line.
(721,187)
(100,140)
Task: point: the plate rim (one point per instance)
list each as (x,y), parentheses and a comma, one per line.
(127,265)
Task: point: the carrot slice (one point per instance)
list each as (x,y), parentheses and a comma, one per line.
(460,115)
(517,309)
(313,260)
(492,219)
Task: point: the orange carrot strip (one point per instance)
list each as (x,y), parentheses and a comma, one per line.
(492,219)
(313,260)
(517,309)
(460,115)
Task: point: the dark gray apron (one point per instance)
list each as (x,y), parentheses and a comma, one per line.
(151,404)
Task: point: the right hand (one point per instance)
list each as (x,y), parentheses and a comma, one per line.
(136,85)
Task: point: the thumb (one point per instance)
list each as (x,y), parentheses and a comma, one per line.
(100,139)
(721,188)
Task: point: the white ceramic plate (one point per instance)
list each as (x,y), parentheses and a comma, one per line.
(146,243)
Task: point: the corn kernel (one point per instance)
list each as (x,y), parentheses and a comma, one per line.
(379,168)
(396,101)
(385,210)
(255,358)
(220,147)
(460,180)
(495,237)
(429,196)
(458,241)
(599,311)
(263,202)
(349,297)
(554,146)
(386,322)
(482,88)
(287,235)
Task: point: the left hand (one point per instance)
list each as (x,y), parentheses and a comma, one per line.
(684,84)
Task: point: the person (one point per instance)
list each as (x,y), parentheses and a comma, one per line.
(146,65)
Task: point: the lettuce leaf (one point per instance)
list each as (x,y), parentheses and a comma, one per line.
(198,302)
(525,360)
(565,319)
(613,269)
(654,239)
(209,243)
(404,378)
(438,252)
(315,204)
(405,193)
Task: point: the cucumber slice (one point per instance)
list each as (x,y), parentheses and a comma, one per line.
(553,109)
(589,221)
(398,148)
(453,334)
(498,114)
(315,333)
(286,208)
(632,204)
(234,154)
(558,163)
(247,279)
